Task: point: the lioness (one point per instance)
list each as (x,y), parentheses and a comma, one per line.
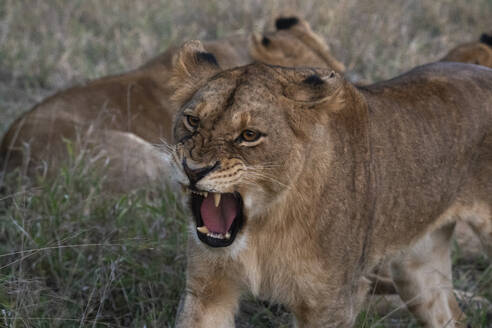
(118,118)
(479,53)
(301,183)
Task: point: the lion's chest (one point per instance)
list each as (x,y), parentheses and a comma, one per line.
(278,275)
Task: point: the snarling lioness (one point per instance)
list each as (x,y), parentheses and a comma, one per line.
(301,183)
(118,118)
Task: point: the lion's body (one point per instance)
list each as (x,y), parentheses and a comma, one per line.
(118,118)
(443,116)
(132,106)
(473,233)
(342,179)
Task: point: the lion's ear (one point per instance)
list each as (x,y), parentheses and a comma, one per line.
(486,38)
(285,23)
(302,30)
(317,89)
(192,66)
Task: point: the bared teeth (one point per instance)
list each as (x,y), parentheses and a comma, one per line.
(201,193)
(203,229)
(217,199)
(215,235)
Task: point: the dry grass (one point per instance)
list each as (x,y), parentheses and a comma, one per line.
(87,260)
(46,45)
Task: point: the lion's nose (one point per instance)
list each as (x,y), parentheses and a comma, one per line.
(195,174)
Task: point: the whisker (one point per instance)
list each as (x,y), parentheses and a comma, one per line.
(165,147)
(263,176)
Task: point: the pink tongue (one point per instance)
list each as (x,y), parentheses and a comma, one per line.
(219,219)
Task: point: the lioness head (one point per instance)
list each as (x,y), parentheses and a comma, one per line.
(239,146)
(293,44)
(478,53)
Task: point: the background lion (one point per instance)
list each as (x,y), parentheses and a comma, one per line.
(479,53)
(119,118)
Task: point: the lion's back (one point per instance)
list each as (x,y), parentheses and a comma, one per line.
(437,85)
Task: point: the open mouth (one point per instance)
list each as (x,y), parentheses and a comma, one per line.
(218,217)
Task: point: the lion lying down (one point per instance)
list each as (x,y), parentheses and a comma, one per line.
(479,53)
(301,183)
(119,118)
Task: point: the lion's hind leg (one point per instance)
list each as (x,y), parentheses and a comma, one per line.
(476,209)
(478,216)
(422,276)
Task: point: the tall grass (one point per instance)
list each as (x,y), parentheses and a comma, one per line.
(72,256)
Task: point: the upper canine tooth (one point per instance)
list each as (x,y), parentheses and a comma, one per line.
(205,194)
(203,229)
(217,199)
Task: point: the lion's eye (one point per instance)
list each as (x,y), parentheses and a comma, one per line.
(250,135)
(191,122)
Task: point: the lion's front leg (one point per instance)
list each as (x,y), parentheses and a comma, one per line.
(324,317)
(202,312)
(212,293)
(336,305)
(315,321)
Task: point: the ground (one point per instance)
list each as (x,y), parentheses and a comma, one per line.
(71,255)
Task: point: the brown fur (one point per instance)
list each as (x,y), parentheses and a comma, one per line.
(345,177)
(474,232)
(478,53)
(309,48)
(118,118)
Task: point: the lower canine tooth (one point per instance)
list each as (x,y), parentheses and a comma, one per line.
(228,235)
(217,199)
(203,229)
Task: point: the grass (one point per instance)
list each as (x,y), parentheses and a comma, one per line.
(73,256)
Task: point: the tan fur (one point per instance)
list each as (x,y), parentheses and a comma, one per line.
(345,178)
(300,41)
(136,104)
(478,216)
(422,276)
(474,232)
(476,53)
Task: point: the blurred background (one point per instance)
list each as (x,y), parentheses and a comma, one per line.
(86,260)
(46,45)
